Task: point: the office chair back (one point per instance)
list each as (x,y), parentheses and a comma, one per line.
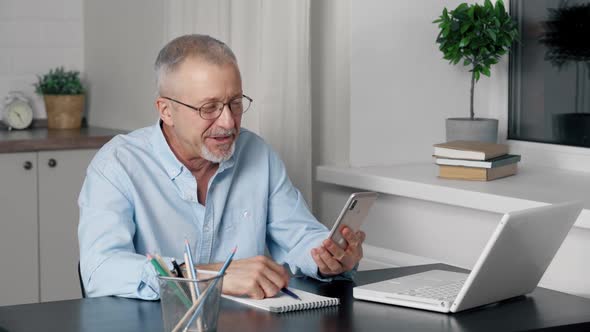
(81,283)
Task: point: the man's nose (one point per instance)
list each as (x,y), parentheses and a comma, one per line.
(226,119)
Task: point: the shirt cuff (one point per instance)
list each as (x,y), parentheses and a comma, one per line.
(310,268)
(346,276)
(149,286)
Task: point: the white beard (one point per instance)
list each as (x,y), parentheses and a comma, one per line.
(210,156)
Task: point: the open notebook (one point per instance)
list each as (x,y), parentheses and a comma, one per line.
(283,302)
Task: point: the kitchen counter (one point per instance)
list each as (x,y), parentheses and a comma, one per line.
(43,139)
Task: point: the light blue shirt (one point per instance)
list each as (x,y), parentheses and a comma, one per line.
(137,198)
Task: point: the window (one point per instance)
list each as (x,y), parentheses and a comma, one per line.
(550,73)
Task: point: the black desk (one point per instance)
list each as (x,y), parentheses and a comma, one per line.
(543,309)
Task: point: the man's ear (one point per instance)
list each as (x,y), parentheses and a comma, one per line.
(165,111)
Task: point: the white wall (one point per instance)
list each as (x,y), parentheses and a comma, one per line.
(401,88)
(35,36)
(330,96)
(422,90)
(121,42)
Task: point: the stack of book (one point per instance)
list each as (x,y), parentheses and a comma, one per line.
(470,160)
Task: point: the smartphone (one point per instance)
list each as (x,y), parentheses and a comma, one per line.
(352,215)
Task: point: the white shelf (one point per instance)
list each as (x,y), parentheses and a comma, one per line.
(531,187)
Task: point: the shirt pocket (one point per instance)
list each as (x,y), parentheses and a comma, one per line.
(237,218)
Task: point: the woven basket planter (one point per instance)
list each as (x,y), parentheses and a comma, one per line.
(64,111)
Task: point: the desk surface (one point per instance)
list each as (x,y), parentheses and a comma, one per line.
(542,309)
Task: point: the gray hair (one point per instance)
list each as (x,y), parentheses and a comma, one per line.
(200,46)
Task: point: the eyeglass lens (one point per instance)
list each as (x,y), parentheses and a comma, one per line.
(213,109)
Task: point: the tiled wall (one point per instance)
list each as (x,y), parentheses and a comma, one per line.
(35,36)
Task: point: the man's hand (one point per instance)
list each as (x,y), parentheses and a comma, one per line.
(257,277)
(333,260)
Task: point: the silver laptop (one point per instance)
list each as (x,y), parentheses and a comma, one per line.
(511,264)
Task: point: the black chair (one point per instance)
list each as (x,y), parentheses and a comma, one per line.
(81,283)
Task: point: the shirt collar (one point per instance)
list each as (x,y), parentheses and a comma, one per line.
(172,165)
(164,153)
(228,163)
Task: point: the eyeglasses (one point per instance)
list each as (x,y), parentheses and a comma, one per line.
(212,110)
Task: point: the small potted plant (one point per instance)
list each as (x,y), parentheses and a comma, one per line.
(566,38)
(478,35)
(63,94)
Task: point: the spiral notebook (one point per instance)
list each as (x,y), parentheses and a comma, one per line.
(283,302)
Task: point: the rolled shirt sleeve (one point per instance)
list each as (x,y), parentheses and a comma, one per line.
(109,263)
(292,230)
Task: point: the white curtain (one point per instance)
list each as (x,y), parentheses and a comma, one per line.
(271,41)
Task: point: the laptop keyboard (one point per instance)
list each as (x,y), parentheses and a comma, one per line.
(447,292)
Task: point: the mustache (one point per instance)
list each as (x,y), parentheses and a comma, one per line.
(220,132)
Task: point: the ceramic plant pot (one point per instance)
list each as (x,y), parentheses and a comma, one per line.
(478,129)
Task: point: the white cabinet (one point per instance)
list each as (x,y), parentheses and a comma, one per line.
(38,234)
(61,174)
(19,246)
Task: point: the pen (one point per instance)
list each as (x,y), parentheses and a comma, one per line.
(177,269)
(161,271)
(290,293)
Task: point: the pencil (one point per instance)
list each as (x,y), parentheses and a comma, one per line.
(228,261)
(194,307)
(211,286)
(161,271)
(191,266)
(191,285)
(163,264)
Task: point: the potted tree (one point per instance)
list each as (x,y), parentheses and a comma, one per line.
(478,35)
(566,38)
(63,94)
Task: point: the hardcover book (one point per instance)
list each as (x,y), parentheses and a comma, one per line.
(491,163)
(476,174)
(470,150)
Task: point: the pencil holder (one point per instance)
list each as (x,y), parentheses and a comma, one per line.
(186,309)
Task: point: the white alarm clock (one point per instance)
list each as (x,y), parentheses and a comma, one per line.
(17,112)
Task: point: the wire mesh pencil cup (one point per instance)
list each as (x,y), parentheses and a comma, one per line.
(184,309)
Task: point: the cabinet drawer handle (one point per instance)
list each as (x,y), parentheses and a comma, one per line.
(28,165)
(52,163)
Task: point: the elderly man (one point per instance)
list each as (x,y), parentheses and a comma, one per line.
(197,175)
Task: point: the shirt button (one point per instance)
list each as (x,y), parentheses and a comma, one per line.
(246,214)
(206,228)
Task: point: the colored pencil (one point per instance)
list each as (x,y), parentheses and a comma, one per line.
(163,265)
(177,290)
(214,283)
(191,263)
(195,305)
(201,300)
(191,285)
